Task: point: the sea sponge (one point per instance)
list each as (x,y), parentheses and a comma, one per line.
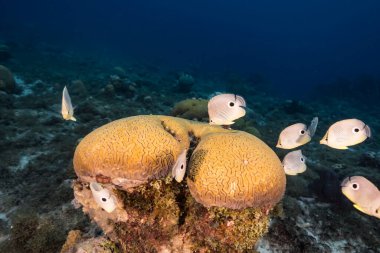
(235,170)
(191,109)
(131,151)
(7,82)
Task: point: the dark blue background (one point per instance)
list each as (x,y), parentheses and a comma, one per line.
(295,44)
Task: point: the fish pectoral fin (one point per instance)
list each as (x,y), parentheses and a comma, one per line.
(73,118)
(291,173)
(303,139)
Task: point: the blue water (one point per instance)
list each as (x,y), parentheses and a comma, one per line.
(294,44)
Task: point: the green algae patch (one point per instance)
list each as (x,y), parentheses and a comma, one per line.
(154,216)
(110,246)
(219,229)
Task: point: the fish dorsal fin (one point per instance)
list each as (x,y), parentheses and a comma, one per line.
(313,126)
(368,131)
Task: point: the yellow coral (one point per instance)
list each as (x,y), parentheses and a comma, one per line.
(235,170)
(130,151)
(133,150)
(228,168)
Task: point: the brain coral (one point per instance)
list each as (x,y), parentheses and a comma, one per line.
(227,170)
(191,109)
(131,151)
(235,170)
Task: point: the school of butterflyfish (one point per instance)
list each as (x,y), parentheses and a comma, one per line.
(224,109)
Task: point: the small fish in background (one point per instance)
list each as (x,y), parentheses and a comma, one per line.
(67,108)
(179,168)
(363,193)
(346,133)
(223,109)
(294,163)
(297,134)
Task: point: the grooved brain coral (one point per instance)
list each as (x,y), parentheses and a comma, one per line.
(235,170)
(131,151)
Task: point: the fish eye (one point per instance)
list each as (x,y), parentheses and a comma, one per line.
(181,166)
(302,132)
(355,130)
(302,159)
(231,104)
(355,186)
(104,199)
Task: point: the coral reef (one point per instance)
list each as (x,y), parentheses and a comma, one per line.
(121,86)
(30,233)
(132,158)
(78,87)
(228,176)
(36,169)
(191,109)
(247,125)
(76,242)
(185,83)
(131,151)
(220,229)
(7,82)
